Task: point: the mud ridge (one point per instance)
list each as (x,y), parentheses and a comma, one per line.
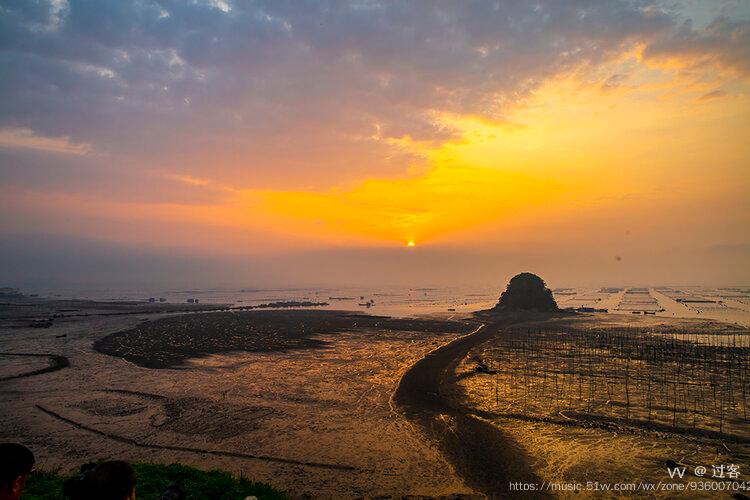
(231,454)
(57,362)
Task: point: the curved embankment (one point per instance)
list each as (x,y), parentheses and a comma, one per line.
(485,458)
(56,362)
(203,451)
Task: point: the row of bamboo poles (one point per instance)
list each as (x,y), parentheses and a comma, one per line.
(692,379)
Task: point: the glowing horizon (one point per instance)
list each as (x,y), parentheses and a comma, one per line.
(596,135)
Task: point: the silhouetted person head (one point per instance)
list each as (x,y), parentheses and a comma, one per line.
(113,480)
(16,464)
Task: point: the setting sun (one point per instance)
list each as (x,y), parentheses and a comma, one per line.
(411,243)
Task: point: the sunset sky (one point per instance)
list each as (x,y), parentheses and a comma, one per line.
(214,142)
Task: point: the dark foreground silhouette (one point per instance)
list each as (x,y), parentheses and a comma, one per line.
(119,480)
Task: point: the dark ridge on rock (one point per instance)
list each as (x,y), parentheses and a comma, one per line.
(528,292)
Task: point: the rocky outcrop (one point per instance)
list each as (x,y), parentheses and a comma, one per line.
(527,291)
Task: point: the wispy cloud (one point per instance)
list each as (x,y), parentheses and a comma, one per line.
(724,43)
(188,179)
(714,94)
(199,182)
(24,138)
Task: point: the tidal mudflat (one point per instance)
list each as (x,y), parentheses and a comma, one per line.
(300,399)
(614,399)
(342,404)
(169,342)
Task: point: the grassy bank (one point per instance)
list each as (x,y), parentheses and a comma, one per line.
(153,479)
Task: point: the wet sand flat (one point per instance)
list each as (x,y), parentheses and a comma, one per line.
(337,404)
(169,342)
(312,421)
(601,416)
(487,458)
